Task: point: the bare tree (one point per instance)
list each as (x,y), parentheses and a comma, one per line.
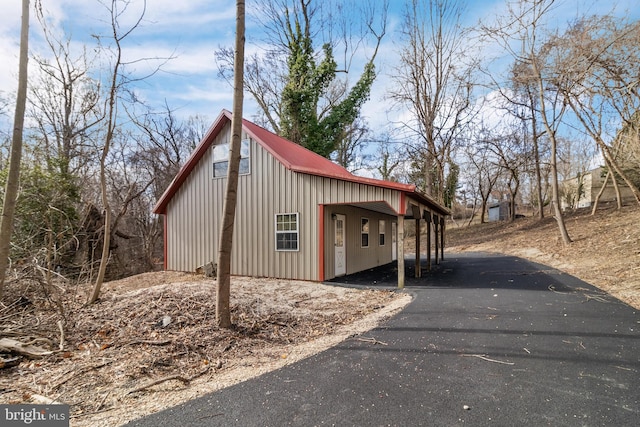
(116,9)
(65,102)
(349,152)
(523,105)
(596,72)
(389,160)
(223,287)
(574,159)
(13,179)
(524,23)
(482,169)
(164,144)
(510,156)
(433,79)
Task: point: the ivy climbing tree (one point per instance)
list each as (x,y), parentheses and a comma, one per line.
(298,87)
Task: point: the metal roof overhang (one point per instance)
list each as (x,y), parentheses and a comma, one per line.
(378,206)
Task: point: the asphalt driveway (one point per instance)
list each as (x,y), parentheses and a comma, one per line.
(487,340)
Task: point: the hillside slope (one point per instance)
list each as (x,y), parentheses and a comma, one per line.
(605,250)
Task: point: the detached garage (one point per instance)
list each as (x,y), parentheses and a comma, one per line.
(299,215)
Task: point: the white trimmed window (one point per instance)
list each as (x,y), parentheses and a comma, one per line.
(287,232)
(364,232)
(382,226)
(221,159)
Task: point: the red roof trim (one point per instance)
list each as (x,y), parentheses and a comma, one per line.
(292,156)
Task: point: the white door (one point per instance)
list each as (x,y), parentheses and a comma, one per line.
(394,241)
(341,259)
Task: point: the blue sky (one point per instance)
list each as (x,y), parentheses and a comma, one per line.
(191,30)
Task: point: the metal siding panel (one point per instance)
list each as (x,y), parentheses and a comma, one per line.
(193,215)
(256,210)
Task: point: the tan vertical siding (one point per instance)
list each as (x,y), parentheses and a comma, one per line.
(194,214)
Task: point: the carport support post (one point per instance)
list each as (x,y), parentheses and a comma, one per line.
(400,251)
(436,221)
(442,223)
(428,219)
(418,269)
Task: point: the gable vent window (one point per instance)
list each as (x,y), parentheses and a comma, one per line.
(287,232)
(221,159)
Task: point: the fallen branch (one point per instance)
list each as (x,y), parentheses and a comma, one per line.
(149,342)
(184,380)
(483,357)
(159,381)
(553,289)
(79,372)
(14,346)
(61,346)
(372,341)
(595,298)
(44,400)
(8,363)
(102,401)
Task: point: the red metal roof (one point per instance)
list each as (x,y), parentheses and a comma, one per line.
(293,156)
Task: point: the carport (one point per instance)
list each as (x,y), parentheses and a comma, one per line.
(422,208)
(410,205)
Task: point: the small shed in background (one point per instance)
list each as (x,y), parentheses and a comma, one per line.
(499,211)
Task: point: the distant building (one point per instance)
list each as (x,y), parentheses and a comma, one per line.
(581,192)
(499,211)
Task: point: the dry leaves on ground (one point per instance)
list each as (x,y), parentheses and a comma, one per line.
(151,343)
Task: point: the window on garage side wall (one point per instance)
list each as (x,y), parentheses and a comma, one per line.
(382,229)
(287,232)
(364,231)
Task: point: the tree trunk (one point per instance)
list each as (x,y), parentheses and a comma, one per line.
(551,132)
(111,124)
(223,288)
(13,178)
(483,210)
(106,237)
(604,186)
(606,152)
(556,192)
(616,187)
(611,162)
(536,153)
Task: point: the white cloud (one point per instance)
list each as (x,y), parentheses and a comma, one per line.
(191,30)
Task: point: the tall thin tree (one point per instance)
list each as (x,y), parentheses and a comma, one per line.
(433,81)
(223,288)
(13,178)
(525,23)
(116,10)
